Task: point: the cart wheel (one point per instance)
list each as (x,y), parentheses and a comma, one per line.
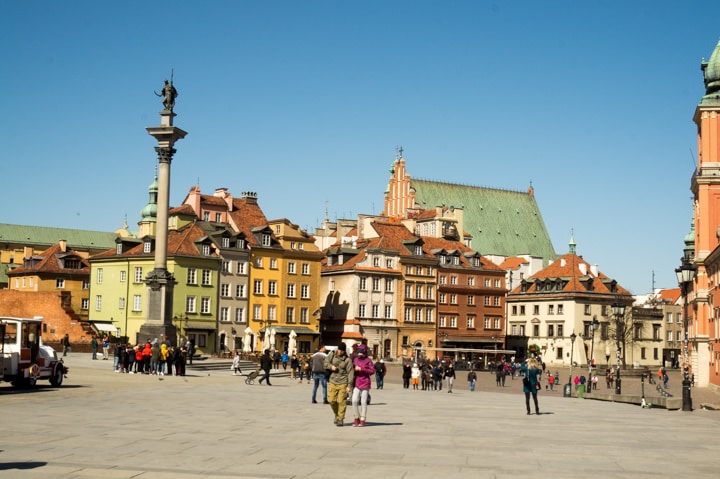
(57,378)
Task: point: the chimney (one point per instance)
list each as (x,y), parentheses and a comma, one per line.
(63,246)
(594,269)
(27,252)
(583,268)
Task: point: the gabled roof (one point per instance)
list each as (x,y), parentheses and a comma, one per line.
(450,246)
(181,242)
(52,261)
(671,295)
(501,222)
(395,237)
(575,274)
(246,216)
(513,263)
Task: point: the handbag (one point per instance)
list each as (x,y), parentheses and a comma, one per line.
(526,382)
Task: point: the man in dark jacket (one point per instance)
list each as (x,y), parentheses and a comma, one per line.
(265,365)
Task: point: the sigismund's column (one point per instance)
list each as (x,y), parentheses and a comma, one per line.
(160,282)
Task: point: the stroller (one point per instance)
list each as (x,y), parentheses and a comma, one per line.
(250,379)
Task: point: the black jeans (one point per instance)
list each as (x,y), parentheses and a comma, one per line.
(527,402)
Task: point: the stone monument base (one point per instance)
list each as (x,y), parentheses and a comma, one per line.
(153,331)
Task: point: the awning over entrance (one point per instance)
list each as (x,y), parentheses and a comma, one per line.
(300,330)
(472,340)
(102,326)
(200,326)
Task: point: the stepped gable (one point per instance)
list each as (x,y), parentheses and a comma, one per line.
(53,260)
(577,276)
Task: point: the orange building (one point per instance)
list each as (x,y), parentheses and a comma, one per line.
(704,333)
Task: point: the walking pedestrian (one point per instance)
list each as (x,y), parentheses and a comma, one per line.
(94,344)
(437,376)
(531,370)
(407,373)
(265,365)
(363,369)
(318,372)
(380,371)
(106,347)
(341,378)
(284,359)
(236,364)
(65,342)
(472,377)
(450,376)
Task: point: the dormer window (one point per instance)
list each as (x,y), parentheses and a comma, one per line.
(218,217)
(418,250)
(206,249)
(226,242)
(266,239)
(241,244)
(456,260)
(443,259)
(118,248)
(147,247)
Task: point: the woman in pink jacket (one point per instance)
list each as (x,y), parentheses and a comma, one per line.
(364,369)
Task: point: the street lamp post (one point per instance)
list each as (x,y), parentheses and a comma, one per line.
(685,275)
(593,326)
(618,310)
(568,388)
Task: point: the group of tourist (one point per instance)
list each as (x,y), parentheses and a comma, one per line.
(156,357)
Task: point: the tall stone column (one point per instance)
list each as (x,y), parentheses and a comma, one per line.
(160,282)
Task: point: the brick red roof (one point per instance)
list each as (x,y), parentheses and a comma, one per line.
(51,262)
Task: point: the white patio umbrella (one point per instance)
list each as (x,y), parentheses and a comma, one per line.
(272,338)
(292,345)
(266,340)
(247,340)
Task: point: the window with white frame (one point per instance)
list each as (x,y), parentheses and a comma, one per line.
(408,290)
(290,314)
(206,249)
(273,263)
(123,276)
(242,267)
(272,288)
(453,321)
(98,302)
(225,266)
(190,304)
(361,310)
(240,291)
(225,290)
(487,323)
(560,309)
(304,317)
(118,248)
(669,319)
(225,242)
(471,322)
(389,263)
(147,247)
(443,298)
(388,311)
(470,299)
(85,304)
(363,283)
(376,262)
(408,314)
(59,283)
(225,314)
(266,239)
(430,291)
(442,322)
(206,277)
(376,284)
(291,267)
(497,283)
(375,310)
(257,312)
(428,315)
(453,279)
(496,323)
(239,315)
(388,285)
(471,280)
(272,312)
(670,335)
(418,291)
(99,276)
(258,262)
(305,269)
(85,284)
(418,315)
(443,279)
(453,298)
(257,286)
(138,275)
(291,290)
(305,291)
(205,305)
(191,276)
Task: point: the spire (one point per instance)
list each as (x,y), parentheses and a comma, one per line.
(572,242)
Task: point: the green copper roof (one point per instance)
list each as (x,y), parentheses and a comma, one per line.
(501,222)
(42,236)
(711,76)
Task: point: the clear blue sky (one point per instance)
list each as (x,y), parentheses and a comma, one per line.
(304,102)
